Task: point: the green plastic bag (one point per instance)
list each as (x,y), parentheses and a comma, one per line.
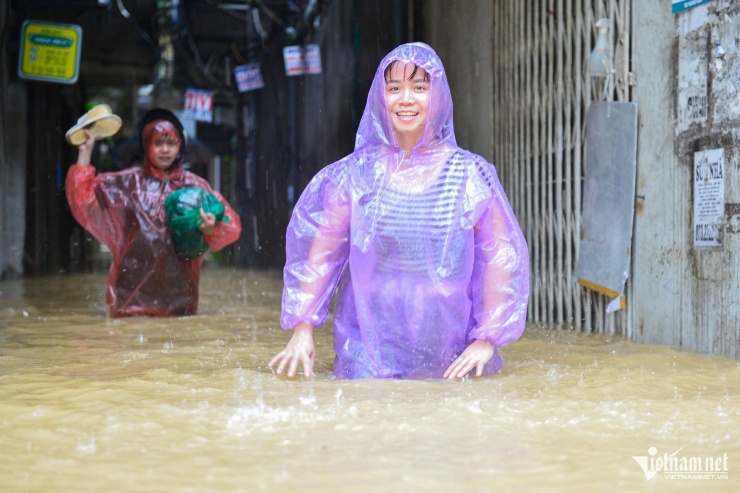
(183,219)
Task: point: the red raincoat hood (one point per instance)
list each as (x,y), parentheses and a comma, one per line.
(149,135)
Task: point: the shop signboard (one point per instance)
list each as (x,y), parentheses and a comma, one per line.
(50,52)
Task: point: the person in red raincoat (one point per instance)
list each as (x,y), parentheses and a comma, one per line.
(125,211)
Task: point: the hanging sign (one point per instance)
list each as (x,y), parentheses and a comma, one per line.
(248,77)
(50,52)
(312,59)
(199,105)
(302,60)
(709,197)
(681,5)
(293,57)
(610,171)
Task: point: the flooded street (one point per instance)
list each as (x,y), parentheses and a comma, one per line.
(189,405)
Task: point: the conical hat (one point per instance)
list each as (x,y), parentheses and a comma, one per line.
(100,121)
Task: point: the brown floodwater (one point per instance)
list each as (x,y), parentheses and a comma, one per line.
(189,405)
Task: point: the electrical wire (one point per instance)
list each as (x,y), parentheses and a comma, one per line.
(125,13)
(269,13)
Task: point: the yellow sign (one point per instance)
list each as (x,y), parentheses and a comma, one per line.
(50,52)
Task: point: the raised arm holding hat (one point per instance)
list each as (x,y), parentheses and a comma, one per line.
(125,211)
(100,121)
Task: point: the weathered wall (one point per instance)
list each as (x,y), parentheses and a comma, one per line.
(460,31)
(12,162)
(307,122)
(689,102)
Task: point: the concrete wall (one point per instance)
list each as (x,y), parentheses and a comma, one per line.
(12,164)
(307,122)
(689,102)
(460,31)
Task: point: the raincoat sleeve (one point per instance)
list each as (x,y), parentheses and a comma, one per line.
(94,205)
(500,272)
(317,248)
(228,229)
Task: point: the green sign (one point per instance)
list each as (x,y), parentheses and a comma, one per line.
(50,52)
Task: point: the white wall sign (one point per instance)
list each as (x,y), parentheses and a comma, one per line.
(709,197)
(199,105)
(249,77)
(293,58)
(692,87)
(301,60)
(312,59)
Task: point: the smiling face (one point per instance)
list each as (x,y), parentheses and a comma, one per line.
(407,100)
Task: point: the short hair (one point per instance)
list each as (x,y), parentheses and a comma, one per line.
(389,68)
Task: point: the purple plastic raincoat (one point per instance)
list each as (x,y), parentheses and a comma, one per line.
(421,248)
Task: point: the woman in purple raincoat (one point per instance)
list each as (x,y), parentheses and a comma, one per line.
(413,234)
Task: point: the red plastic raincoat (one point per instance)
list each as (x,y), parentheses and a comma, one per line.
(125,211)
(424,258)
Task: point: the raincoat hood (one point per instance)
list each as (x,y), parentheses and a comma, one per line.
(155,123)
(376,128)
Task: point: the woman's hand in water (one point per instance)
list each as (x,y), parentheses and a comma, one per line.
(300,349)
(475,356)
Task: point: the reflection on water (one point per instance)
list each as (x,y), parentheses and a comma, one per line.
(166,405)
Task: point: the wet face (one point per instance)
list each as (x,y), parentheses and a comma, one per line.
(407,100)
(163,144)
(165,151)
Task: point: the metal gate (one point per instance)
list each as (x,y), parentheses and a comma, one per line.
(541,97)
